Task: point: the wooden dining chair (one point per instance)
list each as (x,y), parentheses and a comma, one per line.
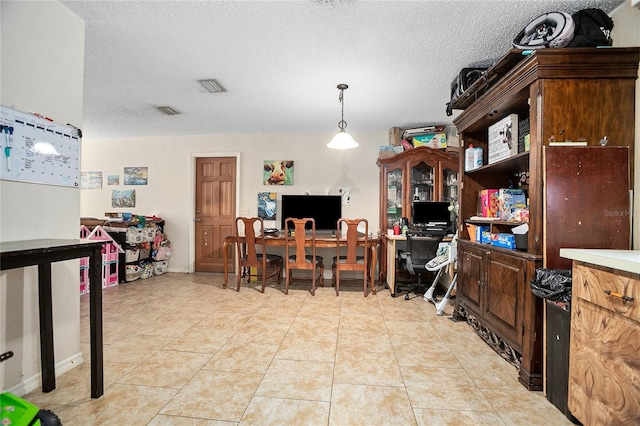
(297,239)
(351,261)
(250,257)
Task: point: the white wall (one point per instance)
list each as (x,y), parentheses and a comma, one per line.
(626,32)
(42,70)
(169,193)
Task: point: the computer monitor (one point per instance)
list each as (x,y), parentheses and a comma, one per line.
(434,213)
(324,209)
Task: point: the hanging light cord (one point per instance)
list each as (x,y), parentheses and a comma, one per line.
(342,124)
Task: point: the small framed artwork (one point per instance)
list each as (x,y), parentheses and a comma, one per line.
(136,175)
(125,198)
(113,179)
(267,205)
(278,172)
(90,180)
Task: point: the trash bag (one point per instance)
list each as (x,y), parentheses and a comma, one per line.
(552,284)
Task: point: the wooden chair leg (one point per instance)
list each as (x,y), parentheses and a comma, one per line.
(321,277)
(278,272)
(333,275)
(364,277)
(287,280)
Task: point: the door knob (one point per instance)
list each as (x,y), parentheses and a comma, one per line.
(197,219)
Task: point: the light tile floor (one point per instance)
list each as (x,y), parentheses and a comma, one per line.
(180,350)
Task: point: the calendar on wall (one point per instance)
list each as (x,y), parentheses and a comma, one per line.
(37,150)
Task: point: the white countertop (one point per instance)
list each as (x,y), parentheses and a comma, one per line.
(623,260)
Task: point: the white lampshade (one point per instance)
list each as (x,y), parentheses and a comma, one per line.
(342,140)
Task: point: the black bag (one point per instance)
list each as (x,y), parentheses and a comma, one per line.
(593,28)
(552,284)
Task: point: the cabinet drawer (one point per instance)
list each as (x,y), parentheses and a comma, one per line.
(592,284)
(603,367)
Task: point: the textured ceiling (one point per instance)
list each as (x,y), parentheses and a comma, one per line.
(280,61)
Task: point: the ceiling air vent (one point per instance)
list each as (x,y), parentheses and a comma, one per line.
(168,110)
(212,85)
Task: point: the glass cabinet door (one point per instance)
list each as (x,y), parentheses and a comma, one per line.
(422,188)
(394,197)
(450,186)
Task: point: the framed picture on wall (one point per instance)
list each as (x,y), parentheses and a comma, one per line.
(90,180)
(267,205)
(113,179)
(125,198)
(278,172)
(136,175)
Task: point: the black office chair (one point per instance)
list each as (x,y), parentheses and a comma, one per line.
(420,250)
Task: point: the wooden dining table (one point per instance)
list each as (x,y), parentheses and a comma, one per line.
(324,239)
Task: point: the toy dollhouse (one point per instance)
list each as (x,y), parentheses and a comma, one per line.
(110,251)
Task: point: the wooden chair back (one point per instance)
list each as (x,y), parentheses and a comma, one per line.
(353,239)
(253,253)
(297,239)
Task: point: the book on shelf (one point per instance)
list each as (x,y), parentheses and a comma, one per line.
(568,143)
(484,219)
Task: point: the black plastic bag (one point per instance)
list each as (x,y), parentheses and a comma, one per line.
(593,28)
(552,284)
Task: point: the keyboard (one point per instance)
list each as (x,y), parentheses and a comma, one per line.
(427,232)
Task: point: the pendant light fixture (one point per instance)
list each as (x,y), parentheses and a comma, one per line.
(342,139)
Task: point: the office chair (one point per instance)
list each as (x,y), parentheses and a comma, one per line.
(248,255)
(296,241)
(420,250)
(351,261)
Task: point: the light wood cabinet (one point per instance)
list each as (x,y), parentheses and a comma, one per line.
(604,375)
(577,195)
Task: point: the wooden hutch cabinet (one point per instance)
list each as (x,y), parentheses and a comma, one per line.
(564,94)
(420,174)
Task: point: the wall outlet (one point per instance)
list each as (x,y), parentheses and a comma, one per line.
(345,193)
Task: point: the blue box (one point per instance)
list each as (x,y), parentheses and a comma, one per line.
(504,240)
(483,236)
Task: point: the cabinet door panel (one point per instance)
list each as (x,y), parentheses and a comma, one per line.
(502,305)
(470,282)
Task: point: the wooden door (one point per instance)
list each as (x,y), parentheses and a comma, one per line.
(215,211)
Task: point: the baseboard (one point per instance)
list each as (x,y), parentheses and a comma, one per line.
(35,382)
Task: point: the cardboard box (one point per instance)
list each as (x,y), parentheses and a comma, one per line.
(432,140)
(395,136)
(386,152)
(483,235)
(509,200)
(504,240)
(503,138)
(488,199)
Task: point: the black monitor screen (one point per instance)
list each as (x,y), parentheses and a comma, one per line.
(324,209)
(431,212)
